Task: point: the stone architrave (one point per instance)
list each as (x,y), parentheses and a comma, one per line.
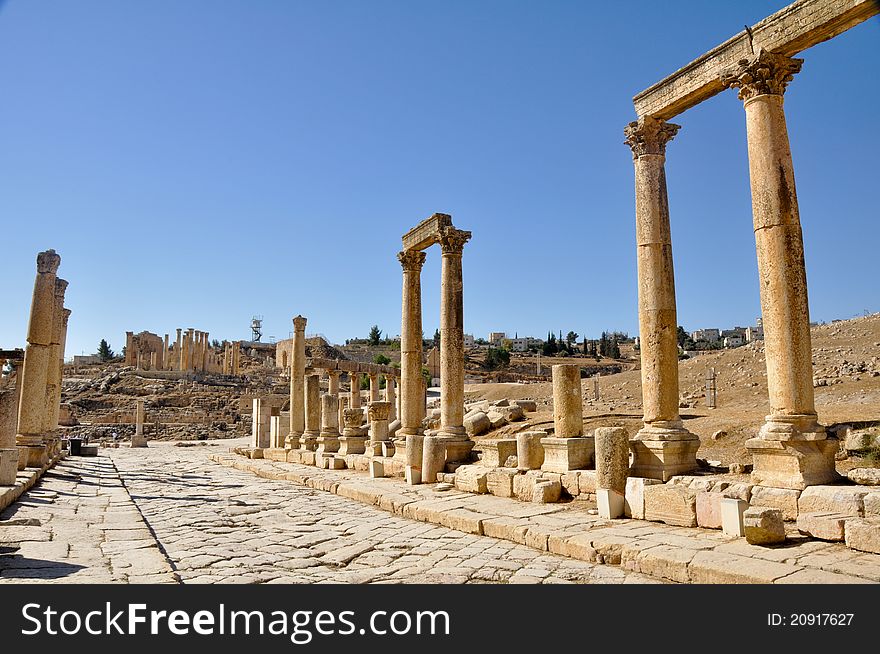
(328,441)
(390,397)
(567,449)
(452,431)
(32,418)
(792,449)
(297,383)
(139,440)
(309,438)
(663,447)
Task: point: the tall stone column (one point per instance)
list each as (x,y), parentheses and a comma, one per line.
(9,453)
(333,382)
(663,447)
(355,391)
(37,361)
(411,403)
(139,440)
(792,449)
(390,397)
(309,437)
(458,445)
(65,317)
(166,355)
(374,386)
(178,351)
(297,382)
(129,349)
(56,363)
(205,351)
(236,357)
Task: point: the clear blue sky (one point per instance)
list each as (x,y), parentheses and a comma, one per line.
(198,162)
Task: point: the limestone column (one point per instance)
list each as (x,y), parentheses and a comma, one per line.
(390,397)
(342,403)
(333,382)
(328,441)
(236,357)
(9,453)
(32,406)
(374,386)
(129,348)
(452,429)
(205,350)
(568,449)
(139,440)
(178,351)
(411,401)
(154,361)
(56,361)
(312,430)
(663,447)
(65,317)
(355,392)
(166,355)
(792,449)
(297,382)
(378,413)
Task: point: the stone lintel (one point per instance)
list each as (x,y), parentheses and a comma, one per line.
(789,31)
(427,232)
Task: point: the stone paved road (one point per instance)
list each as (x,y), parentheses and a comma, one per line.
(219,525)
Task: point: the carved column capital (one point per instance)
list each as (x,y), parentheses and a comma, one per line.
(299,323)
(452,240)
(765,73)
(48,261)
(649,135)
(379,410)
(411,260)
(60,287)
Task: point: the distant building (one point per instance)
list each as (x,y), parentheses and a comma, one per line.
(734,340)
(708,335)
(469,340)
(495,338)
(86,359)
(519,345)
(755,333)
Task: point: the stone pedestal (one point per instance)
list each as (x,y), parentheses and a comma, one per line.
(378,413)
(328,441)
(791,429)
(496,453)
(354,437)
(566,454)
(297,382)
(8,465)
(656,458)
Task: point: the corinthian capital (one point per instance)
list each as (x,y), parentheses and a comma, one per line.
(765,73)
(411,260)
(649,135)
(299,324)
(48,262)
(452,240)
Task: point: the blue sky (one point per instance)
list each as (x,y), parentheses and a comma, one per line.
(196,163)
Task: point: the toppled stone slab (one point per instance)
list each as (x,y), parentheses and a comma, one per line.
(763,526)
(527,405)
(477,423)
(865,476)
(546,491)
(848,500)
(471,478)
(863,534)
(784,499)
(672,504)
(822,525)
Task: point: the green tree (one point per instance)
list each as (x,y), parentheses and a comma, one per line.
(571,337)
(685,342)
(104,351)
(614,349)
(381,359)
(497,358)
(436,338)
(375,335)
(603,345)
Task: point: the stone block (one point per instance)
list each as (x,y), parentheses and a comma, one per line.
(433,458)
(496,453)
(732,511)
(546,491)
(524,483)
(674,505)
(377,469)
(822,525)
(512,413)
(413,475)
(527,405)
(529,451)
(496,420)
(499,482)
(794,464)
(610,503)
(387,449)
(571,482)
(865,476)
(471,479)
(587,482)
(477,423)
(709,509)
(307,458)
(872,505)
(612,458)
(565,454)
(8,466)
(863,534)
(335,463)
(784,499)
(738,491)
(634,496)
(848,500)
(763,526)
(352,445)
(861,440)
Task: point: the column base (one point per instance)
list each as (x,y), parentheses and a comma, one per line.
(292,441)
(8,466)
(566,454)
(458,445)
(328,443)
(801,427)
(139,440)
(23,456)
(400,450)
(663,450)
(793,464)
(352,445)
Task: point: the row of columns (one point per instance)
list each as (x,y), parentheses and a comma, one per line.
(40,380)
(792,449)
